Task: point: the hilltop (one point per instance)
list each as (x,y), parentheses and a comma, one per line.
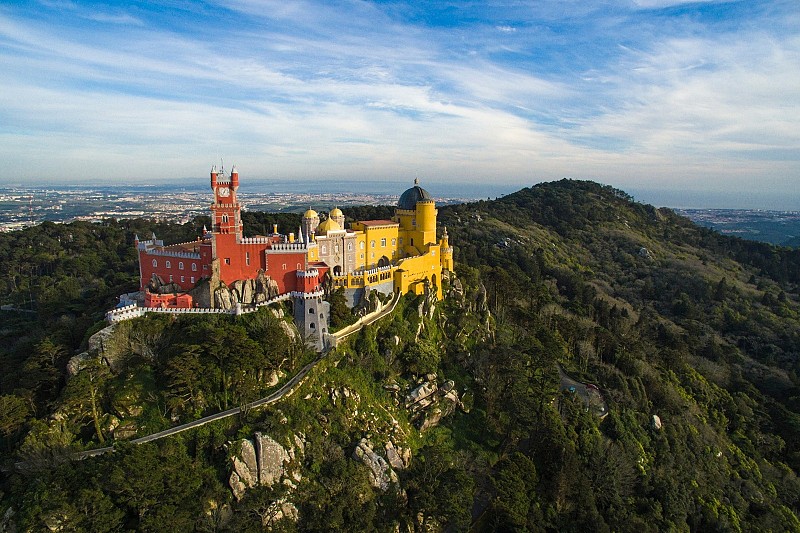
(475,410)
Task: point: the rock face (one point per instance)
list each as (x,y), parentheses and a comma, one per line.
(263,461)
(416,397)
(399,458)
(76,364)
(381,474)
(271,459)
(157,286)
(245,291)
(429,403)
(656,422)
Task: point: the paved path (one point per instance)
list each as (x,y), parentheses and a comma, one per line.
(286,389)
(589,394)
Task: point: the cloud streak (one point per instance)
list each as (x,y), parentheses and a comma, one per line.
(665,93)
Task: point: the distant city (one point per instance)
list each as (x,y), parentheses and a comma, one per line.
(21,207)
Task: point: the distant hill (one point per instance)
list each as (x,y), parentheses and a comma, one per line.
(564,292)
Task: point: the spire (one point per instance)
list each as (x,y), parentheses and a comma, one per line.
(154,236)
(300,234)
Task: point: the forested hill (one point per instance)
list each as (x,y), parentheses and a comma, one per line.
(692,337)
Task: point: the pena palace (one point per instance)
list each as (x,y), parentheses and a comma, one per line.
(223,266)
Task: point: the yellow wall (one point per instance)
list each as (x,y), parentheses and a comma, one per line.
(378,243)
(412,272)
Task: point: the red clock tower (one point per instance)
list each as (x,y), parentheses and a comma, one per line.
(225,211)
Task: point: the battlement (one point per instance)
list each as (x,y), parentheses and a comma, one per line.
(310,273)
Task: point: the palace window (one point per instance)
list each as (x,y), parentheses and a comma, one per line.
(362,245)
(227,260)
(401,241)
(284,266)
(336,248)
(412,242)
(324,250)
(169,264)
(155,263)
(191,280)
(383,242)
(205,267)
(394,242)
(183,279)
(312,326)
(180,265)
(247,257)
(194,267)
(413,221)
(170,278)
(311,311)
(225,219)
(372,244)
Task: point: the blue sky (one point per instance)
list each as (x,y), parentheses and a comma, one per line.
(642,94)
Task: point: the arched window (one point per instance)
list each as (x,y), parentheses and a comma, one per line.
(194,267)
(169,264)
(394,242)
(180,265)
(362,245)
(155,263)
(324,250)
(311,311)
(225,219)
(372,244)
(312,325)
(349,246)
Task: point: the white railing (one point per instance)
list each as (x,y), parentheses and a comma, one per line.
(287,247)
(167,253)
(308,295)
(133,311)
(255,240)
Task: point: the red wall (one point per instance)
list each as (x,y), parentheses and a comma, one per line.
(285,277)
(164,272)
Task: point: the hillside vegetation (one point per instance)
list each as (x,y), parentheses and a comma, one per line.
(693,339)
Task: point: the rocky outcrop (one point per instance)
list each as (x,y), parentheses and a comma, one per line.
(76,364)
(445,406)
(102,344)
(245,469)
(381,475)
(271,459)
(158,286)
(245,291)
(429,403)
(263,461)
(655,422)
(417,398)
(399,458)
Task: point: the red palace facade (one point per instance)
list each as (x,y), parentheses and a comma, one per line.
(223,254)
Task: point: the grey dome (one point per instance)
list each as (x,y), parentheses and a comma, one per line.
(408,200)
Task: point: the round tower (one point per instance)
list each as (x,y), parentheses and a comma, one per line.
(337,216)
(310,223)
